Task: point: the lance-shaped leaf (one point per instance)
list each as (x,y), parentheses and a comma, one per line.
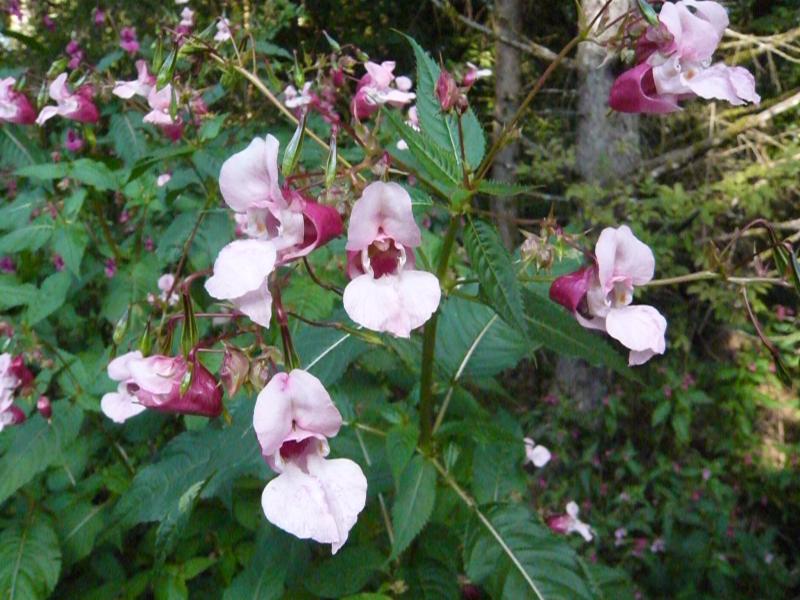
(30,561)
(492,263)
(413,505)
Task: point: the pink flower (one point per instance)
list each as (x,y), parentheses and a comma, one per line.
(569,523)
(223,30)
(538,455)
(386,292)
(166,283)
(128,41)
(619,536)
(473,74)
(99,16)
(600,296)
(163,179)
(676,63)
(58,262)
(160,102)
(74,142)
(75,53)
(44,407)
(240,275)
(77,106)
(110,268)
(13,375)
(375,88)
(293,223)
(155,382)
(48,23)
(295,99)
(14,106)
(312,497)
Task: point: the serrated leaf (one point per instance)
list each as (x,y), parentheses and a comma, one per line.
(661,413)
(174,522)
(125,133)
(30,237)
(327,352)
(472,338)
(558,331)
(35,445)
(218,454)
(401,441)
(437,162)
(501,189)
(531,562)
(413,504)
(492,263)
(95,174)
(442,128)
(78,526)
(30,561)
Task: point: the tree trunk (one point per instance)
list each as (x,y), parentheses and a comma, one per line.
(607,150)
(508,15)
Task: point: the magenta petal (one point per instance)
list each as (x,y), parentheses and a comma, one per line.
(203,398)
(569,290)
(628,93)
(17,415)
(323,224)
(26,115)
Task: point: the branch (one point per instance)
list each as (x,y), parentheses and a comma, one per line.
(675,159)
(525,45)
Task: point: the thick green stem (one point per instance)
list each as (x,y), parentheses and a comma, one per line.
(429,343)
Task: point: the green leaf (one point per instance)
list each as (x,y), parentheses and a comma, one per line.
(30,237)
(70,242)
(661,413)
(558,331)
(492,263)
(263,578)
(125,134)
(346,573)
(95,174)
(472,338)
(531,562)
(501,189)
(45,171)
(78,526)
(401,441)
(30,561)
(413,505)
(327,352)
(436,161)
(35,445)
(174,522)
(13,293)
(157,158)
(50,298)
(443,129)
(210,128)
(216,454)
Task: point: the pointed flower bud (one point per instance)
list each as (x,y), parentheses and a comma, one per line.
(447,91)
(44,407)
(569,290)
(234,370)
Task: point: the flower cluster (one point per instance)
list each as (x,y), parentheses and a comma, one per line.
(312,496)
(162,383)
(77,106)
(380,86)
(674,63)
(14,375)
(600,295)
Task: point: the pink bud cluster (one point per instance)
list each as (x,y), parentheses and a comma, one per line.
(14,375)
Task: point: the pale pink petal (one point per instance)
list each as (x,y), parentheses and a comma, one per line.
(158,374)
(639,328)
(257,305)
(695,37)
(622,256)
(572,509)
(47,113)
(536,454)
(393,303)
(711,12)
(734,84)
(158,117)
(381,74)
(119,368)
(59,90)
(249,178)
(384,209)
(295,400)
(120,406)
(241,267)
(403,83)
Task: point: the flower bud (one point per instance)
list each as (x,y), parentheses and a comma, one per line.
(447,91)
(203,396)
(234,370)
(569,290)
(18,369)
(44,407)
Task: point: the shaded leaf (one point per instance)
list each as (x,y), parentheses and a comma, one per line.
(413,505)
(30,561)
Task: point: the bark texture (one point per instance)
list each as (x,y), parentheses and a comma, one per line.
(508,15)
